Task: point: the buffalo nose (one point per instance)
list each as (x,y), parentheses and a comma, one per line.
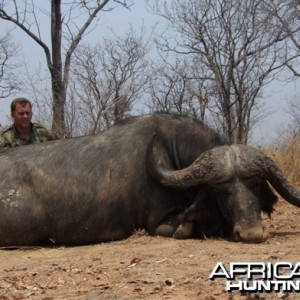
(250,235)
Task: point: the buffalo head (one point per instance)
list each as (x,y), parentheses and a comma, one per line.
(232,183)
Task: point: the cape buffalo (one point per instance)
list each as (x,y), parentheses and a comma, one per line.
(167,174)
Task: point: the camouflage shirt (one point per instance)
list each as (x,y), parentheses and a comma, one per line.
(10,137)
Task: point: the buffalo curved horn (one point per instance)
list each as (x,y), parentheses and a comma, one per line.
(213,166)
(252,162)
(221,164)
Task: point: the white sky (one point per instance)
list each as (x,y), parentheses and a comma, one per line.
(119,20)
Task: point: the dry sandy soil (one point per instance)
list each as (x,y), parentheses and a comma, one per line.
(144,267)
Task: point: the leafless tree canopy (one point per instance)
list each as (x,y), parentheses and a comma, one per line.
(9,82)
(108,78)
(237,46)
(175,89)
(70,22)
(212,62)
(294,111)
(287,18)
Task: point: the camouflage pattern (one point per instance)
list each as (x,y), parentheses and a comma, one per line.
(10,137)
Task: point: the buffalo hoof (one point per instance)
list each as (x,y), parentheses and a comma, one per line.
(184,231)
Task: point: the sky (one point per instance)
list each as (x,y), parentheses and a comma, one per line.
(276,97)
(119,20)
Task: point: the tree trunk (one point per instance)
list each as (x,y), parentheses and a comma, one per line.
(58,89)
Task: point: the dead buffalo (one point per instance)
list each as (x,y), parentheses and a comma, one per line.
(183,181)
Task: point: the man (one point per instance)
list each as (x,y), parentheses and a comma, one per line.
(23,131)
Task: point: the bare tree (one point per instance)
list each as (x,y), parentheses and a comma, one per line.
(109,78)
(237,45)
(37,86)
(287,16)
(174,89)
(70,22)
(294,111)
(9,82)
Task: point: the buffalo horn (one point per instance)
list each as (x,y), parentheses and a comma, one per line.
(221,164)
(252,162)
(212,166)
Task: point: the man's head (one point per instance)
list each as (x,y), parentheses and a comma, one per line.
(21,112)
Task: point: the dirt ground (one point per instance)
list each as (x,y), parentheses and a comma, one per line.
(144,267)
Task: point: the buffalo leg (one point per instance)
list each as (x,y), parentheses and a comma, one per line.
(168,227)
(201,219)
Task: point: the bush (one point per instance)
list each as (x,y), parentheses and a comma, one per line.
(286,154)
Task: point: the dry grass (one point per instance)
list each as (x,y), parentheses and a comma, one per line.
(287,156)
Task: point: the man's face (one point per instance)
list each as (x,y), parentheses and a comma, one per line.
(22,115)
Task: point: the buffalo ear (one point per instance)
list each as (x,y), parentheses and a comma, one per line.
(268,198)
